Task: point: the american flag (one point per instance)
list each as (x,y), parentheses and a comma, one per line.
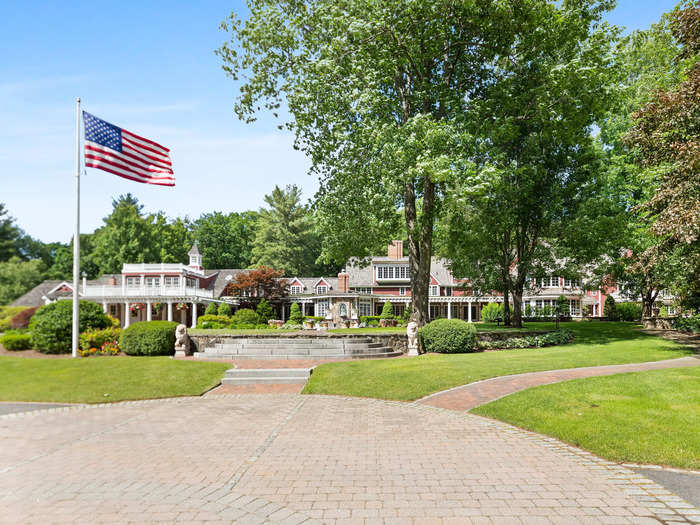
(118,151)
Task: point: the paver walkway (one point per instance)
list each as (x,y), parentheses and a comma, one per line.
(251,459)
(475,394)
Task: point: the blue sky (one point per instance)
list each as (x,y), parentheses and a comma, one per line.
(150,68)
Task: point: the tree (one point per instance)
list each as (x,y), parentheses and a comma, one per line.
(285,238)
(126,237)
(265,311)
(224,309)
(377,93)
(9,235)
(258,283)
(609,308)
(62,265)
(18,277)
(173,239)
(387,311)
(211,309)
(537,167)
(225,240)
(295,316)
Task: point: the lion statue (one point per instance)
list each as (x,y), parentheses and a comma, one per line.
(182,341)
(412,333)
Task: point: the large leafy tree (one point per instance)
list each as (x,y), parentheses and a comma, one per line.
(126,237)
(286,237)
(18,276)
(173,238)
(9,235)
(536,162)
(377,92)
(258,283)
(225,240)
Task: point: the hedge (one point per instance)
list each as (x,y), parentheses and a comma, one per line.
(560,337)
(149,338)
(52,324)
(370,320)
(629,311)
(213,321)
(95,338)
(448,336)
(687,324)
(16,341)
(245,316)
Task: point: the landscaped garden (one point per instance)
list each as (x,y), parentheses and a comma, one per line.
(595,343)
(643,417)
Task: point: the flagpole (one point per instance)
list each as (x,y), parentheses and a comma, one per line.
(76,236)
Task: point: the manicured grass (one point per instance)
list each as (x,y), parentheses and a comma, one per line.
(87,380)
(641,417)
(596,343)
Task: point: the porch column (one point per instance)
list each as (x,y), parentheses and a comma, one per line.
(127,314)
(303,308)
(183,317)
(284,313)
(149,314)
(469,313)
(194,315)
(170,311)
(449,310)
(104,306)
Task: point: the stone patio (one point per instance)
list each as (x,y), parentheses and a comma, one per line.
(284,458)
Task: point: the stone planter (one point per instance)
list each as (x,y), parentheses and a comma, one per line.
(387,322)
(276,323)
(308,325)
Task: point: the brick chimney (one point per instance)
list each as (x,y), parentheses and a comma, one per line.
(395,250)
(343,282)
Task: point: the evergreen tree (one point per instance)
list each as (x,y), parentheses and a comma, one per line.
(265,311)
(295,316)
(224,309)
(9,234)
(211,309)
(387,311)
(610,309)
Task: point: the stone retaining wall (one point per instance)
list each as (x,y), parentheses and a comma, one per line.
(502,335)
(663,323)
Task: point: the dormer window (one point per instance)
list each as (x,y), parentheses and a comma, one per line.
(295,289)
(321,289)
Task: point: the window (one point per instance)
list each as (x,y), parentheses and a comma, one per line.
(448,291)
(322,308)
(365,308)
(366,291)
(434,290)
(152,282)
(550,282)
(133,282)
(321,289)
(402,290)
(295,290)
(191,283)
(574,307)
(393,272)
(572,283)
(172,282)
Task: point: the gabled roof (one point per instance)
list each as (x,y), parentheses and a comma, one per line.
(223,277)
(34,296)
(194,250)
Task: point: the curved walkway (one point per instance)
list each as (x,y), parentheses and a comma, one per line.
(479,393)
(253,459)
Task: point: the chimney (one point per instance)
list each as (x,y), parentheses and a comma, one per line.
(343,282)
(395,250)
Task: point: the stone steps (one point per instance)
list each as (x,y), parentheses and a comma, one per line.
(251,376)
(328,357)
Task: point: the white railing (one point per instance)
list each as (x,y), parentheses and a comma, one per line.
(158,267)
(145,291)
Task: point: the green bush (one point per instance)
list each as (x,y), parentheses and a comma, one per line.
(370,320)
(224,309)
(289,325)
(610,308)
(265,311)
(314,318)
(211,309)
(95,338)
(387,311)
(149,338)
(562,306)
(213,321)
(52,324)
(6,315)
(560,337)
(448,336)
(687,324)
(491,312)
(629,311)
(243,326)
(263,326)
(295,316)
(16,341)
(245,316)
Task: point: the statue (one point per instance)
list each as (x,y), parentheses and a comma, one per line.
(182,341)
(412,332)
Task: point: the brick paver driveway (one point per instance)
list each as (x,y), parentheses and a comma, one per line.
(305,459)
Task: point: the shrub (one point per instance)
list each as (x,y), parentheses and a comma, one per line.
(6,315)
(213,321)
(21,320)
(224,309)
(370,320)
(290,325)
(610,308)
(116,323)
(295,316)
(107,348)
(211,309)
(314,318)
(687,324)
(95,338)
(387,311)
(16,341)
(149,338)
(246,316)
(562,306)
(265,311)
(448,336)
(491,312)
(559,337)
(52,324)
(263,326)
(629,311)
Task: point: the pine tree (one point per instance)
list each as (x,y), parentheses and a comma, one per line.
(265,311)
(387,311)
(610,309)
(211,309)
(224,309)
(295,316)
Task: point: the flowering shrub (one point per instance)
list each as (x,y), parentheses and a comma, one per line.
(560,337)
(108,348)
(95,338)
(52,324)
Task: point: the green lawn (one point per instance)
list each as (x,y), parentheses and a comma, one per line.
(642,417)
(87,380)
(596,343)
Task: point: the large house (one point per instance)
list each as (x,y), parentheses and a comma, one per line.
(181,292)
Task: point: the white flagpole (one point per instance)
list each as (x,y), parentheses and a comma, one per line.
(76,235)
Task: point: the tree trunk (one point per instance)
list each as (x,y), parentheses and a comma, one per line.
(420,247)
(506,306)
(648,299)
(517,305)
